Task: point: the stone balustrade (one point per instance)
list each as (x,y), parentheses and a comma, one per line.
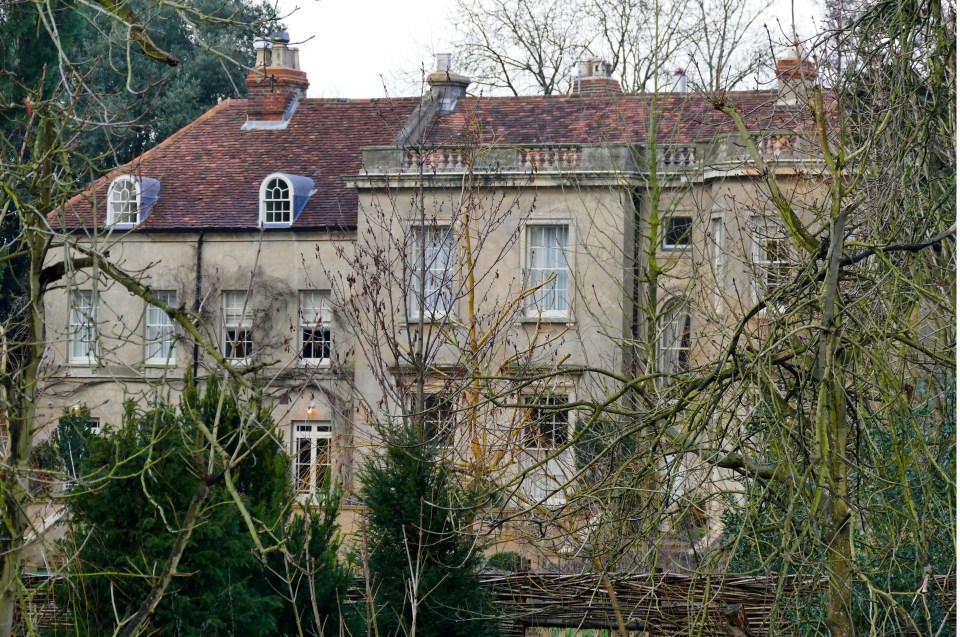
(549,158)
(773,147)
(442,159)
(679,159)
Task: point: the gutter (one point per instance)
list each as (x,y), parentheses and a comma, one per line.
(198,278)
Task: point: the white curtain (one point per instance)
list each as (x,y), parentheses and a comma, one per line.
(674,344)
(432,267)
(546,257)
(84,311)
(314,309)
(159,334)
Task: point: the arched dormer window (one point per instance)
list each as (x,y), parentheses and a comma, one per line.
(276,201)
(130,200)
(283,197)
(123,201)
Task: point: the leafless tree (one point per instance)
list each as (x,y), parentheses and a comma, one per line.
(43,166)
(532,46)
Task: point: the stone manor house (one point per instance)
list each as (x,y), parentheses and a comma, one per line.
(365,260)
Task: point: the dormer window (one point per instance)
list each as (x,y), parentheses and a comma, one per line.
(282,198)
(130,200)
(124,201)
(276,201)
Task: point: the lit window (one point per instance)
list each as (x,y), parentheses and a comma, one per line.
(673,346)
(771,260)
(547,423)
(160,339)
(84,312)
(276,201)
(237,326)
(315,315)
(123,202)
(311,455)
(431,282)
(676,234)
(548,268)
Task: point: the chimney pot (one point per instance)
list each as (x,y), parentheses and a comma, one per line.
(794,73)
(264,58)
(275,84)
(444,61)
(595,77)
(681,75)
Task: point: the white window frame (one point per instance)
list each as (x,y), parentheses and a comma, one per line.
(717,260)
(237,315)
(558,291)
(674,340)
(159,337)
(83,342)
(311,432)
(665,244)
(548,482)
(123,182)
(315,315)
(264,201)
(766,231)
(433,270)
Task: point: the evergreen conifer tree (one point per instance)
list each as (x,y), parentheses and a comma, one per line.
(135,485)
(423,558)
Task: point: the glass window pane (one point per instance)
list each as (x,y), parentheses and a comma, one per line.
(82,328)
(431,285)
(548,423)
(677,232)
(315,319)
(772,261)
(673,346)
(236,309)
(547,267)
(303,462)
(315,308)
(311,454)
(160,336)
(277,201)
(123,201)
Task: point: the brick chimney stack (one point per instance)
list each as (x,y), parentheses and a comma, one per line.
(595,77)
(275,84)
(794,73)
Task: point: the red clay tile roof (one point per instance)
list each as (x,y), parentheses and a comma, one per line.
(684,118)
(210,172)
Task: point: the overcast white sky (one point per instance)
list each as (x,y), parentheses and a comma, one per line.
(357,46)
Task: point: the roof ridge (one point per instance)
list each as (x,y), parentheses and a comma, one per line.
(769,91)
(363,100)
